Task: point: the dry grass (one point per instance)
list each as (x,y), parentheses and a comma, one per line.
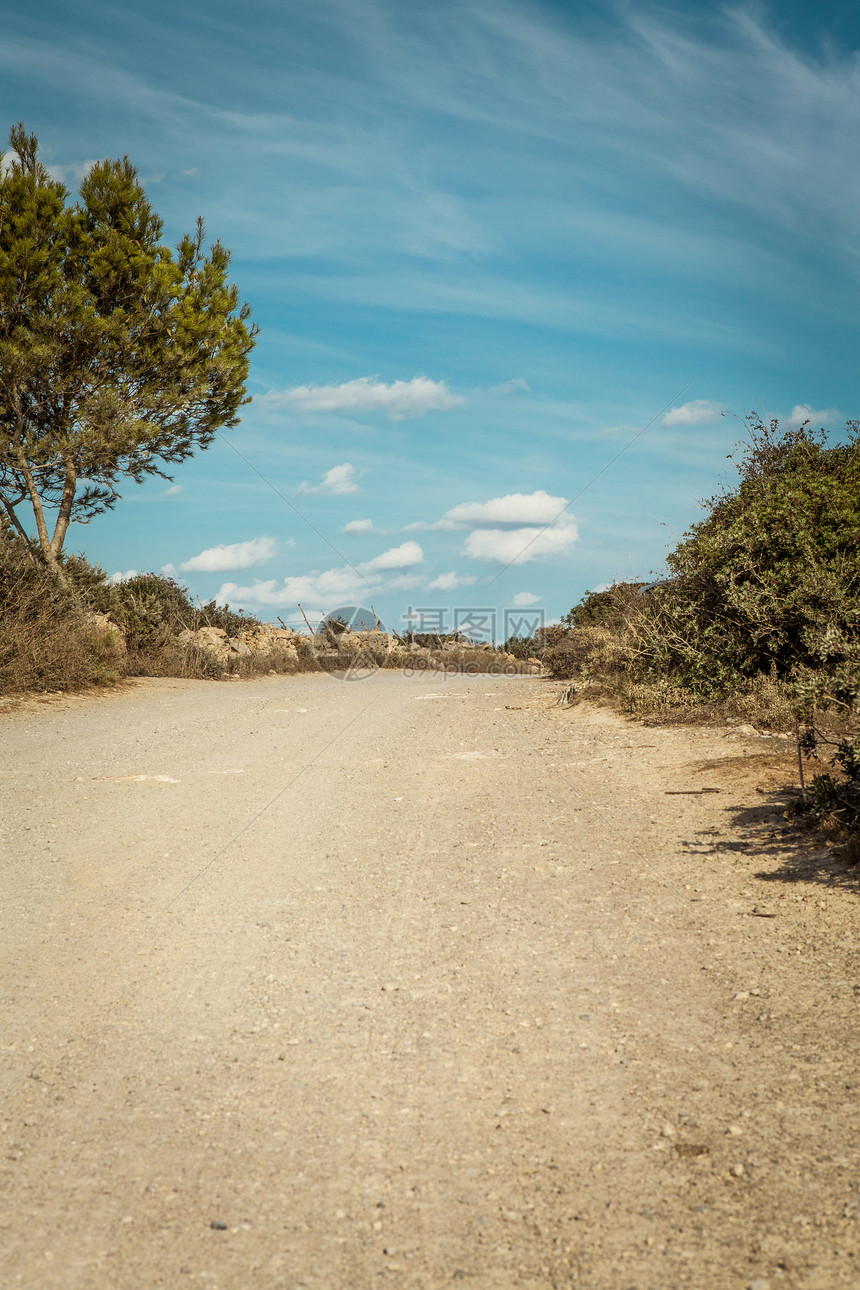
(48,641)
(474,661)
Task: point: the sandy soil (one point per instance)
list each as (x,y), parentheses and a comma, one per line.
(412,982)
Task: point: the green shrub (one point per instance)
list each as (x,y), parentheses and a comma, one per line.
(769,582)
(152,610)
(524,647)
(761,613)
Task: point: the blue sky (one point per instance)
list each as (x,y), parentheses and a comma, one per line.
(486,244)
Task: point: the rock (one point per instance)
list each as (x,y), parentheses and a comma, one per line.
(105,627)
(217,1225)
(214,637)
(260,641)
(738,1170)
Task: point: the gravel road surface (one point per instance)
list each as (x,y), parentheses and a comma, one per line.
(414,982)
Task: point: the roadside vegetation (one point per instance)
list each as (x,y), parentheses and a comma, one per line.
(80,630)
(757,618)
(70,633)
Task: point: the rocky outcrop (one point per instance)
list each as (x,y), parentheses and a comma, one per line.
(254,642)
(339,651)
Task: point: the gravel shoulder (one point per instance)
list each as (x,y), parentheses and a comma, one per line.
(413,981)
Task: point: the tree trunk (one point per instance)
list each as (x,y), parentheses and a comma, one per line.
(63,519)
(38,512)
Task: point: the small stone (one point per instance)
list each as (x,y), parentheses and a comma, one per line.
(741,994)
(738,1170)
(217,1225)
(668,1131)
(759,1284)
(734,1130)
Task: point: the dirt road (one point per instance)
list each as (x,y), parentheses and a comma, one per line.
(413,982)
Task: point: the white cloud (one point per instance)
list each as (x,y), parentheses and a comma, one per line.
(358,526)
(172,490)
(331,586)
(339,481)
(510,387)
(238,555)
(398,400)
(72,174)
(122,577)
(450,581)
(169,570)
(511,529)
(523,599)
(397,557)
(698,412)
(805,412)
(513,509)
(517,546)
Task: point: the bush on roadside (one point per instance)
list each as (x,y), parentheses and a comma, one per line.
(762,608)
(48,641)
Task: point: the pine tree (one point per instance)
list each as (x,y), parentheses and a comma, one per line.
(118,356)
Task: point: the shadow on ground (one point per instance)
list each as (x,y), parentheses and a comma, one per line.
(800,854)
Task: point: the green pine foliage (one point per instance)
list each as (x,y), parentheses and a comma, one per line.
(119,357)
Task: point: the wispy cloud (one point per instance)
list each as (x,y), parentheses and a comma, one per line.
(698,412)
(399,400)
(451,581)
(523,599)
(236,555)
(510,387)
(338,481)
(172,491)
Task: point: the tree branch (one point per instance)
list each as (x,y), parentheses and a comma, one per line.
(9,508)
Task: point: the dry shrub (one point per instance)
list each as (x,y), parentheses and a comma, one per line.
(48,641)
(472,661)
(591,654)
(282,661)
